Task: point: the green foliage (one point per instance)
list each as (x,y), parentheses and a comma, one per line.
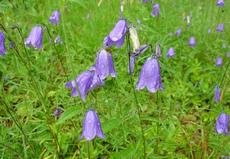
(179,122)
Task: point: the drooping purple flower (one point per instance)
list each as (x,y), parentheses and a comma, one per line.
(72,85)
(220,27)
(222,124)
(84,81)
(96,82)
(209,30)
(55,17)
(220,3)
(156,10)
(192,41)
(57,112)
(104,65)
(58,40)
(219,61)
(178,32)
(140,50)
(134,55)
(117,35)
(131,64)
(170,52)
(217,94)
(92,126)
(2,44)
(35,38)
(150,76)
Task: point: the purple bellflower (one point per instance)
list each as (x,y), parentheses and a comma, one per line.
(220,28)
(156,10)
(55,17)
(192,41)
(150,76)
(96,82)
(170,52)
(222,124)
(134,55)
(84,81)
(2,44)
(35,38)
(104,65)
(209,31)
(217,94)
(219,61)
(220,3)
(72,85)
(91,126)
(117,35)
(178,32)
(81,85)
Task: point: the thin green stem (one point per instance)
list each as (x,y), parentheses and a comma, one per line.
(55,48)
(24,137)
(135,97)
(34,84)
(88,149)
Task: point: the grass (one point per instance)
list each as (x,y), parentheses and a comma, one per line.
(179,122)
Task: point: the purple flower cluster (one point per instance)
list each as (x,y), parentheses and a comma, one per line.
(93,77)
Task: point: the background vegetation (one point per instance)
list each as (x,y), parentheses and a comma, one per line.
(185,110)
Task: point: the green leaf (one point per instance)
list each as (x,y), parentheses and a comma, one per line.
(68,114)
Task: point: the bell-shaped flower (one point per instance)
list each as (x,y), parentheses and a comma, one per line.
(134,38)
(220,3)
(217,94)
(81,85)
(104,65)
(96,82)
(72,85)
(170,52)
(117,35)
(192,41)
(55,17)
(84,81)
(220,27)
(222,124)
(134,55)
(156,10)
(2,44)
(92,126)
(150,76)
(209,30)
(178,32)
(219,61)
(35,38)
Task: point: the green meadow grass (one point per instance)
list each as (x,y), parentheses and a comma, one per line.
(179,122)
